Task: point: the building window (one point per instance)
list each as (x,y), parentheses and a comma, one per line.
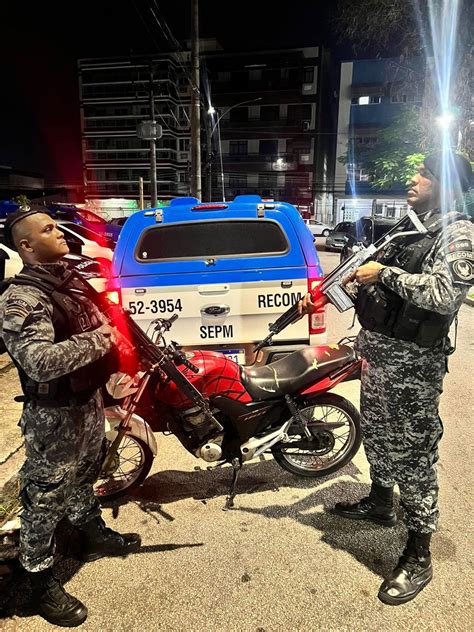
(240,114)
(267,184)
(365,140)
(366,100)
(270,113)
(238,182)
(268,147)
(298,113)
(405,98)
(184,144)
(308,74)
(238,147)
(356,174)
(240,79)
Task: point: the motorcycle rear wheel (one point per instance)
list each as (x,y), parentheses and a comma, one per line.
(340,444)
(132,465)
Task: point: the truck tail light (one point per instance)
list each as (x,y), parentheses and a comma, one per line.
(317,320)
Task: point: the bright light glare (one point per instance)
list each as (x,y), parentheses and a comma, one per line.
(445,120)
(211,110)
(279,161)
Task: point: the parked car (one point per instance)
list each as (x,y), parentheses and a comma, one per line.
(7,207)
(365,231)
(83,241)
(317,229)
(71,213)
(118,221)
(227,269)
(83,217)
(11,264)
(338,237)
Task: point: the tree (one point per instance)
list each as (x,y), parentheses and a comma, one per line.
(405,28)
(394,158)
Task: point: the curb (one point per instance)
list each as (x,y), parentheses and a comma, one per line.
(469,301)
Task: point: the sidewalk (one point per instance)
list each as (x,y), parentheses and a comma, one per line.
(470,297)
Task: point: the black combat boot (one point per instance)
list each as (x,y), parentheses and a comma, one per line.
(377,507)
(53,603)
(97,541)
(413,572)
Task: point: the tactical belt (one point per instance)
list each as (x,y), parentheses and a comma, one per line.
(78,400)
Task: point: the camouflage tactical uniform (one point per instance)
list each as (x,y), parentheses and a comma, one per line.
(402,381)
(63,444)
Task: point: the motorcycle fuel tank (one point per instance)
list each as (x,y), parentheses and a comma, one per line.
(217,375)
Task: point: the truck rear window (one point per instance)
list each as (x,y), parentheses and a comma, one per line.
(204,240)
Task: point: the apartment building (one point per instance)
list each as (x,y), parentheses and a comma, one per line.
(266,124)
(114,99)
(271,123)
(372,94)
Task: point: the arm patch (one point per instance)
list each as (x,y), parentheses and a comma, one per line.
(461,266)
(16,311)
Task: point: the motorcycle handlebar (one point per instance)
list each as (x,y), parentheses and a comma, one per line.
(192,367)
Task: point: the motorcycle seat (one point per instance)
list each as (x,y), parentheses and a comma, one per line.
(295,371)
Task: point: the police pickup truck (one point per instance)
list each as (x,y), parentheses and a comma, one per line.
(227,269)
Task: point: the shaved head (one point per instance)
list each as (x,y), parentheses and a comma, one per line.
(22,229)
(38,239)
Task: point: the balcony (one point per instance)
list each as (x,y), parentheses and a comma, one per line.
(258,86)
(272,162)
(257,125)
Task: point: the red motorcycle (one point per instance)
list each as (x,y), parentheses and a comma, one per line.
(223,412)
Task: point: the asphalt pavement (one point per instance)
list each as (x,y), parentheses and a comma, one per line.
(279,560)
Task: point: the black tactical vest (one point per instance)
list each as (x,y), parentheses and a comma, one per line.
(381,310)
(73,313)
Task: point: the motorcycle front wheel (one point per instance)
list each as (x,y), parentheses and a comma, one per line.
(129,469)
(334,424)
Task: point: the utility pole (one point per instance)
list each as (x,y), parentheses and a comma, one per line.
(195,104)
(209,159)
(140,192)
(153,189)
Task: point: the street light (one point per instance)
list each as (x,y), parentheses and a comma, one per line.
(216,125)
(445,120)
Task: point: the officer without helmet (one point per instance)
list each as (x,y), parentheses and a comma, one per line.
(64,352)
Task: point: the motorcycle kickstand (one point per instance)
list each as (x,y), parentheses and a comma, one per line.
(236,466)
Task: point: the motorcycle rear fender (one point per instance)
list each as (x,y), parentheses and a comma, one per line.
(138,427)
(344,374)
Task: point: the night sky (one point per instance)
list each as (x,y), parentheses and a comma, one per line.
(41,42)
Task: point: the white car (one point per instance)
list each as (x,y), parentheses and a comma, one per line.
(317,229)
(84,241)
(11,264)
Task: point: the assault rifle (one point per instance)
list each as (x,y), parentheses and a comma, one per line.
(332,286)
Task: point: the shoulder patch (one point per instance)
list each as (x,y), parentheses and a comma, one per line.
(461,266)
(15,313)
